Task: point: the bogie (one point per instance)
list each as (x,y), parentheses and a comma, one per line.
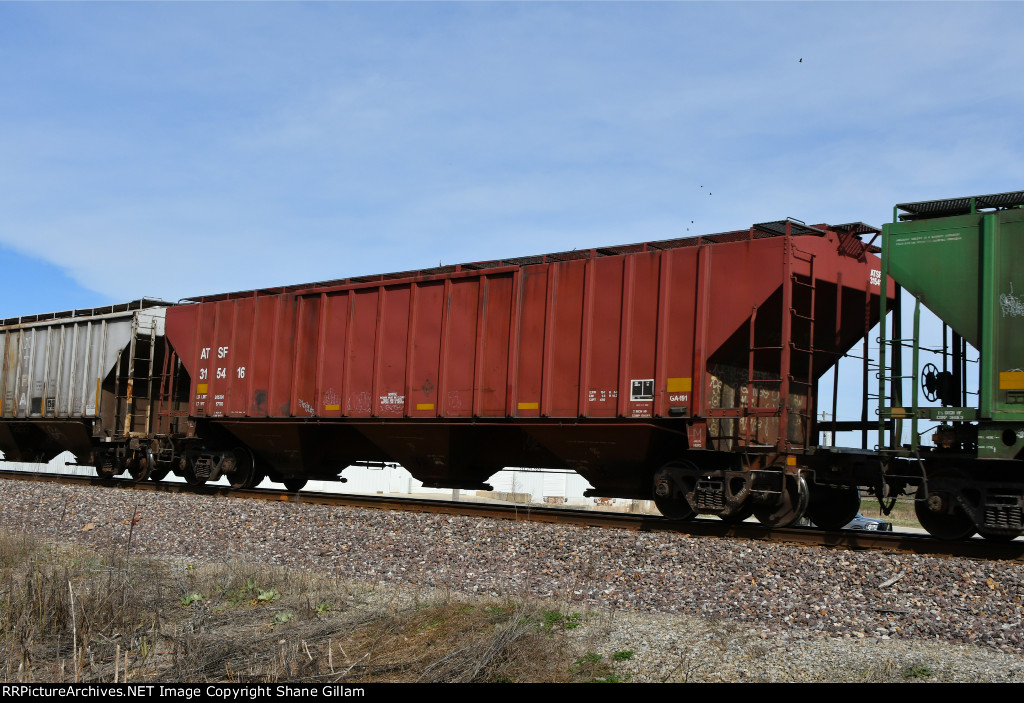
(784,504)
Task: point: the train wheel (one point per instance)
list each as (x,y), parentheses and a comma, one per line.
(671,484)
(261,471)
(257,477)
(939,514)
(789,508)
(139,467)
(832,508)
(949,526)
(294,484)
(999,536)
(157,472)
(106,470)
(245,469)
(675,508)
(189,474)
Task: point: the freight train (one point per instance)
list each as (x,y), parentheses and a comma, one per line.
(684,371)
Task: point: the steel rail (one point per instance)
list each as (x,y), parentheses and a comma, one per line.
(900,542)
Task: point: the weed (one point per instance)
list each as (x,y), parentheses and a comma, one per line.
(552,618)
(917,671)
(623,655)
(591,667)
(69,615)
(268,596)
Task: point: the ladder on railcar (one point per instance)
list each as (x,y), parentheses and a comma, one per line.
(793,318)
(134,401)
(806,413)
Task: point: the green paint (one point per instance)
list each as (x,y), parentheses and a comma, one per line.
(951,414)
(1000,441)
(937,261)
(969,270)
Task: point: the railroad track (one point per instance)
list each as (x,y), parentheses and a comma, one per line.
(909,543)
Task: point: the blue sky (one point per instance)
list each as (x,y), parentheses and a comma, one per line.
(177,149)
(187,148)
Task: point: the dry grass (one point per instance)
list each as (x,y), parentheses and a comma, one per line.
(902,514)
(71,615)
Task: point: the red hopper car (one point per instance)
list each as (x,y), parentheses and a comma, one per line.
(655,370)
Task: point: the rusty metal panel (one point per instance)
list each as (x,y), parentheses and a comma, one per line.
(392,338)
(243,326)
(220,357)
(745,281)
(459,345)
(428,303)
(633,332)
(259,369)
(676,321)
(307,357)
(360,352)
(742,274)
(639,335)
(492,355)
(334,343)
(562,341)
(206,322)
(533,312)
(283,358)
(601,333)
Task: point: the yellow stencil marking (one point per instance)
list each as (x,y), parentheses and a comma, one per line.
(679,385)
(1011,381)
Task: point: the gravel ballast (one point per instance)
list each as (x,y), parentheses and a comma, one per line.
(689,608)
